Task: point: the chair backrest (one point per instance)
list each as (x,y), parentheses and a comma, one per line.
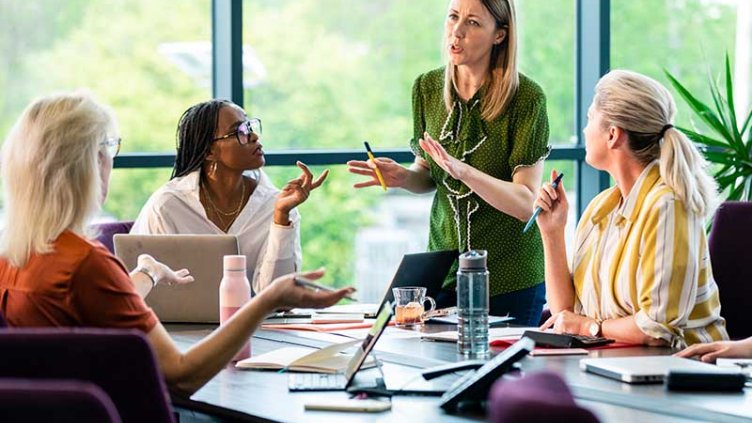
(729,249)
(537,398)
(106,231)
(60,401)
(121,362)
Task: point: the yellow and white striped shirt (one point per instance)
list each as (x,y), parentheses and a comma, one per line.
(647,257)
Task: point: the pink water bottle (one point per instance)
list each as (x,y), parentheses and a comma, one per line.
(234,292)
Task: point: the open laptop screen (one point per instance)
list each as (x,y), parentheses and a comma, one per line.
(382,320)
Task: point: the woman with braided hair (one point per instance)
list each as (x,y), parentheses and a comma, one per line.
(217,186)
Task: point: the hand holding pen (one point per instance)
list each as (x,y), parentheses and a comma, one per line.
(302,281)
(382,171)
(551,206)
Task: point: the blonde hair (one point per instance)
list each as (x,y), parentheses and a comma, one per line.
(503,78)
(645,109)
(50,170)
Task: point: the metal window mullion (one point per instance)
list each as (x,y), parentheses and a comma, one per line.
(227,50)
(592,50)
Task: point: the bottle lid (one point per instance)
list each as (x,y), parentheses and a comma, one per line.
(234,263)
(474,260)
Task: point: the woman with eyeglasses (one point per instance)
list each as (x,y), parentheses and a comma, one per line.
(218,187)
(480,137)
(56,166)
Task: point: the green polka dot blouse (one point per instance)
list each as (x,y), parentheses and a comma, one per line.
(460,219)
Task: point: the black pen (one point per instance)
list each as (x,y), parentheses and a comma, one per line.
(301,281)
(538,209)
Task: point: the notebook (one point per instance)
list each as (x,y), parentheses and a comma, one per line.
(645,369)
(343,380)
(297,359)
(196,302)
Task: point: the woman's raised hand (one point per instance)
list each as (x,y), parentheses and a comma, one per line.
(451,165)
(554,206)
(295,192)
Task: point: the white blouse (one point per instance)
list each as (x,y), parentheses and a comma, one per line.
(271,250)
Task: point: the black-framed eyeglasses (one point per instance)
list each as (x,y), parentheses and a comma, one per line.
(244,131)
(112,145)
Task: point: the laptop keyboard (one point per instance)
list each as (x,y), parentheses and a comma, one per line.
(316,382)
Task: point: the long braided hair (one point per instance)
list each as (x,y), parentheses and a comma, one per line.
(195,134)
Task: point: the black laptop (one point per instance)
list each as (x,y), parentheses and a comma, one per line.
(427,269)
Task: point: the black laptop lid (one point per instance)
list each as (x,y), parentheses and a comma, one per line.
(428,270)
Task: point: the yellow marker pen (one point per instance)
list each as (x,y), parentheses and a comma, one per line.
(373,159)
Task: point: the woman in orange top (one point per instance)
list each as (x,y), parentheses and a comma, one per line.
(56,167)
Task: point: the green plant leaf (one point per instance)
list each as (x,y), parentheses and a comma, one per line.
(735,194)
(700,108)
(726,158)
(734,128)
(702,139)
(745,127)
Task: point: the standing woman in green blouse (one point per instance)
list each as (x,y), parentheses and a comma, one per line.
(480,137)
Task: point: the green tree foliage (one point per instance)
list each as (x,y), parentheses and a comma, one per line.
(337,72)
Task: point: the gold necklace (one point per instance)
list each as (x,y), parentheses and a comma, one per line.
(216,209)
(218,213)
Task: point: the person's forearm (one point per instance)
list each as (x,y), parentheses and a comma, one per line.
(418,180)
(204,360)
(142,282)
(559,287)
(626,330)
(511,198)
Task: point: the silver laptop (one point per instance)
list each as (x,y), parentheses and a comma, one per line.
(649,369)
(343,381)
(196,302)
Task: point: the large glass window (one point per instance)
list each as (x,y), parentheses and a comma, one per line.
(332,73)
(147,59)
(686,37)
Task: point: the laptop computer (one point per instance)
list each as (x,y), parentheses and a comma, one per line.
(196,302)
(646,369)
(342,381)
(427,269)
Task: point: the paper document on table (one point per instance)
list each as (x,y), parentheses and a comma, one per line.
(326,360)
(493,334)
(742,364)
(558,351)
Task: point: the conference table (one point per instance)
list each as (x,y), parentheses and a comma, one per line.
(263,395)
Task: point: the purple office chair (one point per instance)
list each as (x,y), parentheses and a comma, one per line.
(537,398)
(60,401)
(120,362)
(106,231)
(729,252)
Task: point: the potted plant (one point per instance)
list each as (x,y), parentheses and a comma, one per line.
(725,143)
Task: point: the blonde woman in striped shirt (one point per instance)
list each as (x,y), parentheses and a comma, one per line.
(641,270)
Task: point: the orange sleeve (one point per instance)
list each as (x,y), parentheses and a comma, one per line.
(104,294)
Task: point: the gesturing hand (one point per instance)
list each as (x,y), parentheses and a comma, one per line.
(394,173)
(164,274)
(296,191)
(451,165)
(284,293)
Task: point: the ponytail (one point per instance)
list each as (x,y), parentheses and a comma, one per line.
(683,170)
